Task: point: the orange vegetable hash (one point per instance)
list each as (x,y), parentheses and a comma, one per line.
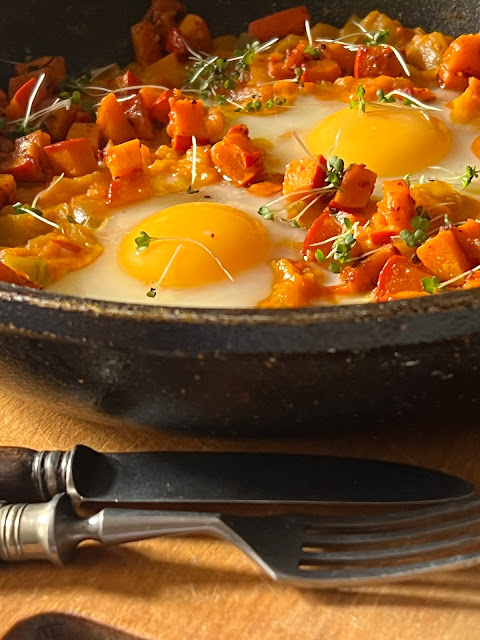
(74,150)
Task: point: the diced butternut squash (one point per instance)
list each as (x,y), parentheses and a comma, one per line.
(279,25)
(167,71)
(157,103)
(29,162)
(342,56)
(305,174)
(58,124)
(321,71)
(139,118)
(294,286)
(325,227)
(468,238)
(268,187)
(397,207)
(460,61)
(88,130)
(130,188)
(124,159)
(187,119)
(399,276)
(466,108)
(193,31)
(238,158)
(363,275)
(53,66)
(7,188)
(73,157)
(356,188)
(442,255)
(376,61)
(425,50)
(146,43)
(112,122)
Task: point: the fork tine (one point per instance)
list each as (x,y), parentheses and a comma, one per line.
(328,578)
(389,553)
(411,518)
(397,536)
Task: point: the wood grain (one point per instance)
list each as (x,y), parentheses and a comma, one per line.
(202,589)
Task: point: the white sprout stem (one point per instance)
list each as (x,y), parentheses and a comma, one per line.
(31,99)
(235,104)
(362,28)
(398,56)
(299,193)
(103,90)
(308,32)
(305,209)
(96,72)
(169,264)
(301,143)
(58,104)
(50,186)
(418,103)
(462,275)
(264,47)
(202,69)
(365,255)
(194,160)
(41,218)
(199,244)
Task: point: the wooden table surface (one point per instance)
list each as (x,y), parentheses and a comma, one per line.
(203,589)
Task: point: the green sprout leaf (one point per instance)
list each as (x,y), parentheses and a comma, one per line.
(319,255)
(430,285)
(380,37)
(143,241)
(469,175)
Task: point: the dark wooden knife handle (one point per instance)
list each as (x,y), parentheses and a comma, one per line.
(17,482)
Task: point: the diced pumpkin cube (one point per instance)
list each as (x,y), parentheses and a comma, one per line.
(356,188)
(193,31)
(460,61)
(112,122)
(321,71)
(293,286)
(123,159)
(466,108)
(237,157)
(468,238)
(374,61)
(363,275)
(28,163)
(53,66)
(305,174)
(18,105)
(138,115)
(146,43)
(279,25)
(88,130)
(441,254)
(399,276)
(187,119)
(397,207)
(59,123)
(324,228)
(167,71)
(73,157)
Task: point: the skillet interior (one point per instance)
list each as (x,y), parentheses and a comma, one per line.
(214,370)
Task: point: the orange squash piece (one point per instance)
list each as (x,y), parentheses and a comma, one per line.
(139,118)
(237,157)
(187,119)
(18,105)
(53,66)
(7,188)
(466,108)
(28,163)
(59,123)
(279,25)
(324,227)
(399,276)
(321,71)
(88,130)
(356,188)
(468,238)
(146,43)
(73,157)
(130,188)
(363,275)
(441,254)
(294,286)
(304,174)
(112,121)
(123,159)
(374,61)
(460,61)
(396,209)
(11,276)
(194,31)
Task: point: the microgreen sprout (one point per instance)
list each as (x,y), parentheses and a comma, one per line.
(270,212)
(420,224)
(211,75)
(335,170)
(143,242)
(310,49)
(298,76)
(464,180)
(359,101)
(191,189)
(20,208)
(380,37)
(434,284)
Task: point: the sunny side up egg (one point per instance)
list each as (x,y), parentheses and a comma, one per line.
(214,250)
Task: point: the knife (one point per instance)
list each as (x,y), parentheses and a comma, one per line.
(161,478)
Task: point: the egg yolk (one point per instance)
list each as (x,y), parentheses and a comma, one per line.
(391,144)
(198,243)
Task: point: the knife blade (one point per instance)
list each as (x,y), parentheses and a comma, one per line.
(162,478)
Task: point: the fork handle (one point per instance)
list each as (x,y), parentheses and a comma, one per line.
(31,476)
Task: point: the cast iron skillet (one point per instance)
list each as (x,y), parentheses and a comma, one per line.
(232,372)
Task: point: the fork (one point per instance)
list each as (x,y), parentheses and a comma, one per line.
(309,552)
